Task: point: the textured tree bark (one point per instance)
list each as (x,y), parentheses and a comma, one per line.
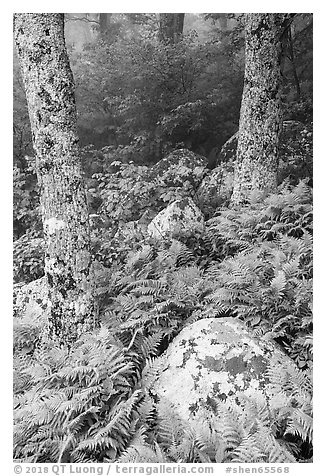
(49,89)
(171,27)
(260,115)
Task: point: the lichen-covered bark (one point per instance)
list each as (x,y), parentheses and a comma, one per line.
(171,27)
(260,115)
(49,89)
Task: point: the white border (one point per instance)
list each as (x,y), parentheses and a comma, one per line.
(6,42)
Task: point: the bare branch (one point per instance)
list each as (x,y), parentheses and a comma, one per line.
(85,19)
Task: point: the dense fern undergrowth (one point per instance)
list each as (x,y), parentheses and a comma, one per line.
(93,403)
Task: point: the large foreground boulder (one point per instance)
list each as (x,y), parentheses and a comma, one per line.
(214,361)
(180,216)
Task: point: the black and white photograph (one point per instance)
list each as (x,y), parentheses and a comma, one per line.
(162,240)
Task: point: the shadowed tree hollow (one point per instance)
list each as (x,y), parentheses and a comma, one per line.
(50,97)
(260,115)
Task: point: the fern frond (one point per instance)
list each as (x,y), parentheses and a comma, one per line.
(247,451)
(278,284)
(300,424)
(273,450)
(152,370)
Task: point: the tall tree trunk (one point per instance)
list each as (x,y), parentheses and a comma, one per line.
(49,89)
(223,21)
(171,27)
(288,54)
(293,67)
(260,115)
(104,20)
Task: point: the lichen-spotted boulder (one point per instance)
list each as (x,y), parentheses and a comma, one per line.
(180,216)
(214,361)
(31,299)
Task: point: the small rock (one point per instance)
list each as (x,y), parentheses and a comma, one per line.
(181,215)
(31,299)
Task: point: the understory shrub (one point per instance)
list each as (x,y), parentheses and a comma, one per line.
(26,214)
(28,257)
(128,191)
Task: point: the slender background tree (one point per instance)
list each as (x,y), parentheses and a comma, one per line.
(50,97)
(171,27)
